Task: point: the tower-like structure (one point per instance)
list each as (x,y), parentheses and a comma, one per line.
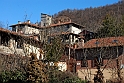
(46,20)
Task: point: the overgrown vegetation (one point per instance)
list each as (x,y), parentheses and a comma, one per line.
(13,68)
(25,70)
(12,77)
(64,77)
(37,72)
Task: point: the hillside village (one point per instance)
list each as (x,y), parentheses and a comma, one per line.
(26,38)
(84,53)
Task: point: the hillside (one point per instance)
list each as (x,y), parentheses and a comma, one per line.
(92,17)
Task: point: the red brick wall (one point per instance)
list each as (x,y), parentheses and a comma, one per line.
(110,63)
(89,63)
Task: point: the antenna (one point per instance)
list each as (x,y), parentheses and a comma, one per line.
(7,23)
(25,16)
(30,16)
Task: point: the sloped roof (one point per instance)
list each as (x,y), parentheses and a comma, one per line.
(12,32)
(62,33)
(8,31)
(16,34)
(65,23)
(105,42)
(26,23)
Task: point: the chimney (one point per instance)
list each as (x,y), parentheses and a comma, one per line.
(19,22)
(28,21)
(36,23)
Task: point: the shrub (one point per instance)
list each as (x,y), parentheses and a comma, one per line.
(12,77)
(64,77)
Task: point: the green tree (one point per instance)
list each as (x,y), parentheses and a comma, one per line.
(111,27)
(121,31)
(108,27)
(54,50)
(36,71)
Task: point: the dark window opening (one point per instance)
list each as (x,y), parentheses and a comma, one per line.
(84,63)
(97,61)
(4,41)
(19,44)
(13,28)
(44,24)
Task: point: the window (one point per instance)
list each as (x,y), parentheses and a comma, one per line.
(44,24)
(97,61)
(47,18)
(4,40)
(19,44)
(84,63)
(13,29)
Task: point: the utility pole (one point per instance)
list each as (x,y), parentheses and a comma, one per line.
(118,65)
(69,52)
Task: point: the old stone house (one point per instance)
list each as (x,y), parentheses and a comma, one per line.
(27,29)
(15,43)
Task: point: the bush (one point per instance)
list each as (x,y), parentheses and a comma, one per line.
(12,77)
(64,77)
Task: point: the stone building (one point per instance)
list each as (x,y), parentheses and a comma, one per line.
(15,43)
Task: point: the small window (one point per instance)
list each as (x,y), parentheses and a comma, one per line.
(13,29)
(97,42)
(115,41)
(84,63)
(97,61)
(4,40)
(47,18)
(44,24)
(19,44)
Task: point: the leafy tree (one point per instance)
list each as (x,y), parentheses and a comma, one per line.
(121,31)
(36,70)
(110,27)
(54,50)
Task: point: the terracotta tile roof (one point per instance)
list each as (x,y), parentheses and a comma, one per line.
(16,34)
(65,23)
(62,33)
(8,31)
(104,42)
(26,23)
